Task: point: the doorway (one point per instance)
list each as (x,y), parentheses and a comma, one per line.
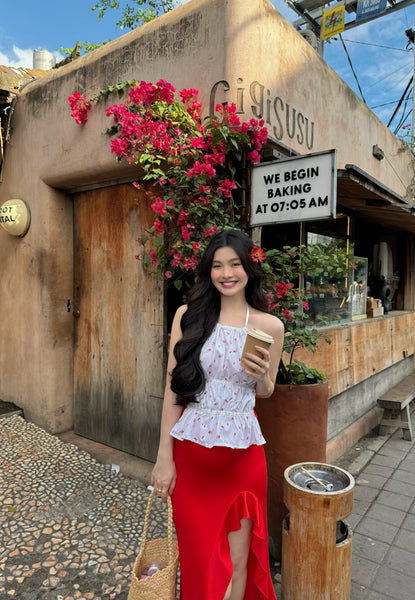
(119,359)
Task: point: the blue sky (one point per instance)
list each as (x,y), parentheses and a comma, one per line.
(377,49)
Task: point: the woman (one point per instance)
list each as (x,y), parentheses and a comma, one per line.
(210,457)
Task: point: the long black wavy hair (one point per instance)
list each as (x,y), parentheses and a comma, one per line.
(203,309)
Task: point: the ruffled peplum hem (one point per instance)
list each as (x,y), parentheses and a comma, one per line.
(218,428)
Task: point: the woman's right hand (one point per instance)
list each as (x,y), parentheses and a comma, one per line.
(163,477)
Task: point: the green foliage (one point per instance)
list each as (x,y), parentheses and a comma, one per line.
(85,46)
(132,15)
(300,373)
(284,274)
(135,13)
(112,89)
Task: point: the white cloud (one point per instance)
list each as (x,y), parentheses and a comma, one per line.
(21,57)
(18,57)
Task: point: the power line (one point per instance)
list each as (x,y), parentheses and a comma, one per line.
(378,46)
(351,66)
(401,100)
(402,121)
(385,104)
(390,74)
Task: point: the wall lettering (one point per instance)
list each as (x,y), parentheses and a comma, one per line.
(281,119)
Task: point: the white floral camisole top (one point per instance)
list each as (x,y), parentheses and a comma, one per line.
(224,414)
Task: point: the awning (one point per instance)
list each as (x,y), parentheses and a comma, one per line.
(358,191)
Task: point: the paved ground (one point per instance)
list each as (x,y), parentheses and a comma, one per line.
(383,519)
(70,526)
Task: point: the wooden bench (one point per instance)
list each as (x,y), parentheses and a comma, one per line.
(395,403)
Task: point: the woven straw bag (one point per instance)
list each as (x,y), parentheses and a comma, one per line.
(161,585)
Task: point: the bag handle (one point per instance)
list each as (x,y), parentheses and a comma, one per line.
(169,522)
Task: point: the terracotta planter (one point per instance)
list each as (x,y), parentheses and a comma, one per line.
(294,423)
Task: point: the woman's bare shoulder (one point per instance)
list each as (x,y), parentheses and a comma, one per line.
(267,322)
(181,310)
(179,313)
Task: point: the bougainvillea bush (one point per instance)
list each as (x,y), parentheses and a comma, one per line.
(193,165)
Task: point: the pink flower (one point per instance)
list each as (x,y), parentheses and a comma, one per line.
(117,110)
(170,202)
(306,306)
(283,289)
(159,207)
(287,314)
(201,169)
(181,219)
(165,91)
(152,255)
(196,246)
(79,107)
(119,147)
(158,227)
(198,142)
(168,274)
(172,181)
(253,156)
(211,231)
(226,187)
(177,257)
(186,231)
(190,263)
(271,306)
(75,97)
(209,170)
(185,95)
(194,109)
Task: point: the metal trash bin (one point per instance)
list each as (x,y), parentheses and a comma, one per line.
(316,542)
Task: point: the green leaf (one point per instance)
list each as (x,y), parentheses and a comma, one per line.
(178,283)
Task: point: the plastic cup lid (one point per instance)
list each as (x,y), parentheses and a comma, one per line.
(260,335)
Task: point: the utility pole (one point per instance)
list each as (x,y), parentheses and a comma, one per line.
(410,34)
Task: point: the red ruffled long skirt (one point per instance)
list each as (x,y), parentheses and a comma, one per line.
(215,489)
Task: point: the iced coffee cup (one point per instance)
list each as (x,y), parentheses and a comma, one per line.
(256,337)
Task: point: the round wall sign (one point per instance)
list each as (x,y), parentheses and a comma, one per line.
(15,217)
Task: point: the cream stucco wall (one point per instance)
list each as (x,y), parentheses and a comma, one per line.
(239,51)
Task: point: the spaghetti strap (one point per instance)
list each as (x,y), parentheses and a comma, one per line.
(247,315)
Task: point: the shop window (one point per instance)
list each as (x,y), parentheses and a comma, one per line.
(358,259)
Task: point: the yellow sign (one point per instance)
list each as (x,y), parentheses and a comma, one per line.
(15,217)
(333,22)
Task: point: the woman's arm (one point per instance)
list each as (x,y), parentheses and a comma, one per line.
(163,476)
